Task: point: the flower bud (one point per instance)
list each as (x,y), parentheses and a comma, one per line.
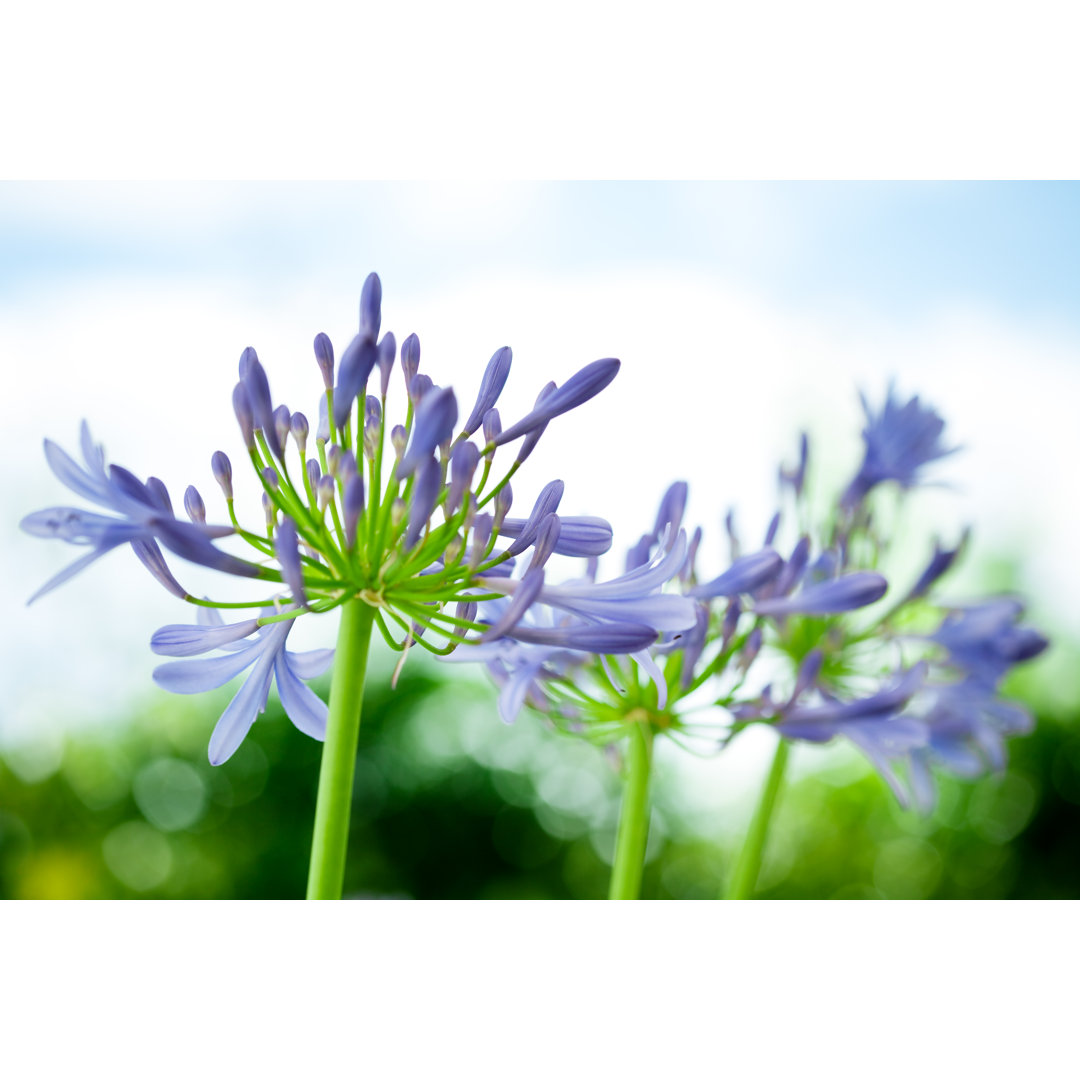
(547,502)
(371,307)
(750,649)
(322,432)
(433,424)
(258,388)
(491,386)
(271,477)
(463,462)
(333,459)
(270,510)
(222,470)
(159,494)
(453,551)
(470,512)
(287,549)
(313,472)
(481,534)
(324,357)
(282,424)
(398,438)
(734,547)
(353,506)
(387,351)
(770,533)
(418,387)
(353,371)
(503,501)
(194,505)
(529,442)
(492,425)
(244,416)
(324,491)
(246,357)
(346,467)
(730,623)
(547,536)
(579,388)
(299,426)
(398,510)
(425,493)
(372,430)
(410,358)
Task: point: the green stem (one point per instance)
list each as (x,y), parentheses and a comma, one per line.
(633,817)
(745,878)
(330,842)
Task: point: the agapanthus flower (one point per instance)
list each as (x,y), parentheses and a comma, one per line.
(406,519)
(783,641)
(899,442)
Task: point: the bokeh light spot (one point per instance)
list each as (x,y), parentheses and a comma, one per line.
(1001,807)
(170,793)
(138,855)
(907,869)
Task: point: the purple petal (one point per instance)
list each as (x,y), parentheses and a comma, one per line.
(69,572)
(311,664)
(515,689)
(150,556)
(236,720)
(744,575)
(197,676)
(73,477)
(665,612)
(187,640)
(190,542)
(528,588)
(302,705)
(829,597)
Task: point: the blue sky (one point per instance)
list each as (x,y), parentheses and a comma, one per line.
(900,249)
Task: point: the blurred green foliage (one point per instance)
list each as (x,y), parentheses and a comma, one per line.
(449,803)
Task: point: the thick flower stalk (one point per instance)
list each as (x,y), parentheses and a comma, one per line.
(404,526)
(815,643)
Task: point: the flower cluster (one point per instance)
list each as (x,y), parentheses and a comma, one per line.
(789,635)
(407,517)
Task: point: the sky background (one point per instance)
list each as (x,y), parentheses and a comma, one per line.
(741,313)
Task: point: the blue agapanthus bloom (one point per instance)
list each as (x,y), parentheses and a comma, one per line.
(796,641)
(899,441)
(408,520)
